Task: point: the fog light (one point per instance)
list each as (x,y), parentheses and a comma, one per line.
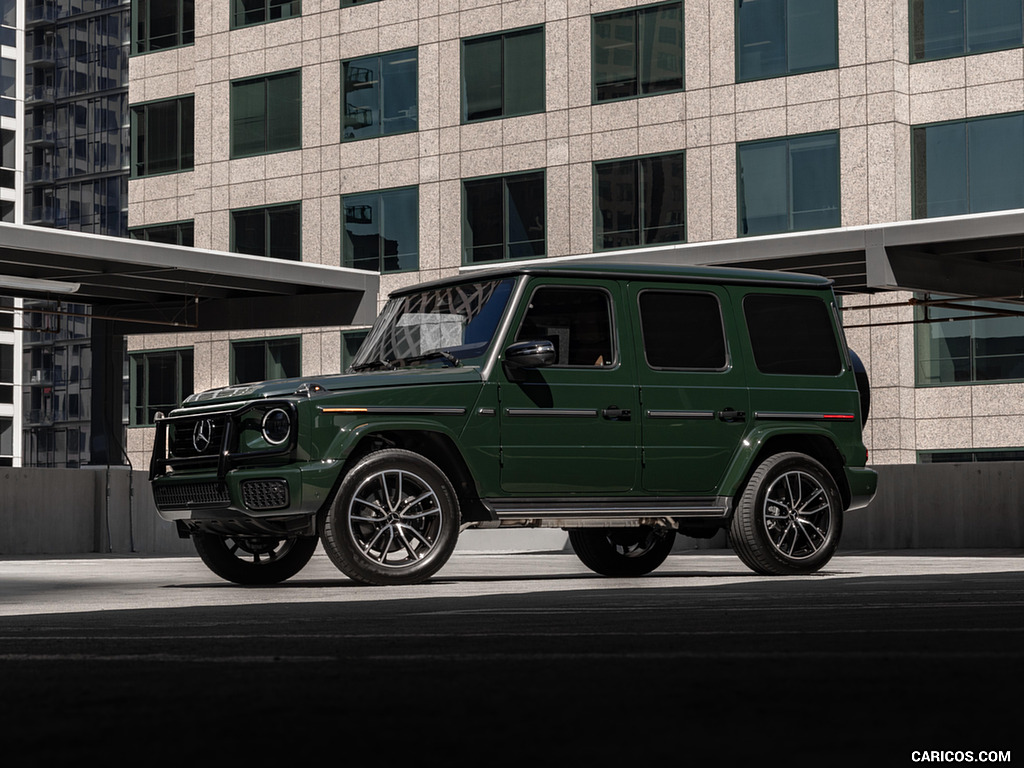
(277,426)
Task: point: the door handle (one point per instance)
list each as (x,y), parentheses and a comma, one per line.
(614,413)
(730,415)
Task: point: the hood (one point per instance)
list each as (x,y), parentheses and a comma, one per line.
(310,386)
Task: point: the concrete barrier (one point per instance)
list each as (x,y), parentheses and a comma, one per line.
(111,510)
(75,511)
(926,506)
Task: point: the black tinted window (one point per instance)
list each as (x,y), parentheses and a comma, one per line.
(576,320)
(792,334)
(682,330)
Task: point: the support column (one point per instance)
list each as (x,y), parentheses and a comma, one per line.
(107,440)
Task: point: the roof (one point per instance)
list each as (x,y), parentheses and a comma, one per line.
(139,284)
(637,271)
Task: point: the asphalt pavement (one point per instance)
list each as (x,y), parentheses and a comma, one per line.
(515,659)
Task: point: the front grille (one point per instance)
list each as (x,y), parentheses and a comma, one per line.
(183,495)
(265,494)
(196,437)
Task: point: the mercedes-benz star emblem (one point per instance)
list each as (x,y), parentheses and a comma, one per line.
(201,434)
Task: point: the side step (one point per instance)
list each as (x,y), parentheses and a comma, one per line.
(577,512)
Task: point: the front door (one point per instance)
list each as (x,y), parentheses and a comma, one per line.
(571,427)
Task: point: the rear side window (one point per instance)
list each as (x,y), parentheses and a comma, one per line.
(682,330)
(792,335)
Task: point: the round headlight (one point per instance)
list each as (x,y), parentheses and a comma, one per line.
(277,426)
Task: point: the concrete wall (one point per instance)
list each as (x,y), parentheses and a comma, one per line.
(96,510)
(75,511)
(923,506)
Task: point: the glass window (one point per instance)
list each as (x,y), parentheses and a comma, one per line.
(638,52)
(792,335)
(163,136)
(960,342)
(943,28)
(348,3)
(247,12)
(969,166)
(970,456)
(6,373)
(6,211)
(503,75)
(266,114)
(785,37)
(6,442)
(682,330)
(350,343)
(419,326)
(381,230)
(788,185)
(159,382)
(7,143)
(503,218)
(640,201)
(8,78)
(175,233)
(275,231)
(160,24)
(576,320)
(265,359)
(379,95)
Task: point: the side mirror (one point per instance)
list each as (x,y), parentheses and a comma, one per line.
(530,354)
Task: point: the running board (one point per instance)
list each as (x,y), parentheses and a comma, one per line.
(603,510)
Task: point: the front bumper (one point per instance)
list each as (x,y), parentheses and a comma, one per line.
(254,494)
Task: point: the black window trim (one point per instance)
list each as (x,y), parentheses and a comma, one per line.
(501,34)
(612,325)
(692,292)
(636,10)
(842,355)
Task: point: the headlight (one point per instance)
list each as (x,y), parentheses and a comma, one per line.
(277,426)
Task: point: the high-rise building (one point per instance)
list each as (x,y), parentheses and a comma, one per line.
(76,178)
(11,179)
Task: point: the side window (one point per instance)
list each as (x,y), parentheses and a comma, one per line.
(576,320)
(792,335)
(682,330)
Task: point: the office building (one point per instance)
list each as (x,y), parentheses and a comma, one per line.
(419,139)
(76,178)
(11,180)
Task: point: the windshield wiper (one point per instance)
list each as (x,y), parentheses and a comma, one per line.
(444,354)
(386,364)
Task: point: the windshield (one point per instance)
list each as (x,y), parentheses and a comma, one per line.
(452,323)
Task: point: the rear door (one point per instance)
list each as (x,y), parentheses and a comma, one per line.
(570,428)
(693,399)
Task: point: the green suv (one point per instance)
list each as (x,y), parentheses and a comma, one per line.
(624,404)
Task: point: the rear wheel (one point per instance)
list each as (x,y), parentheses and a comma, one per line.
(788,518)
(622,551)
(254,559)
(394,520)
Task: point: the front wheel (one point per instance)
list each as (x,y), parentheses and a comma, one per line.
(394,520)
(622,551)
(254,559)
(788,518)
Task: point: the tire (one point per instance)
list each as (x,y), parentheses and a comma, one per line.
(622,551)
(254,559)
(789,517)
(394,520)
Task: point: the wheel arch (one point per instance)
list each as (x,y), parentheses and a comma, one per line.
(432,445)
(818,446)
